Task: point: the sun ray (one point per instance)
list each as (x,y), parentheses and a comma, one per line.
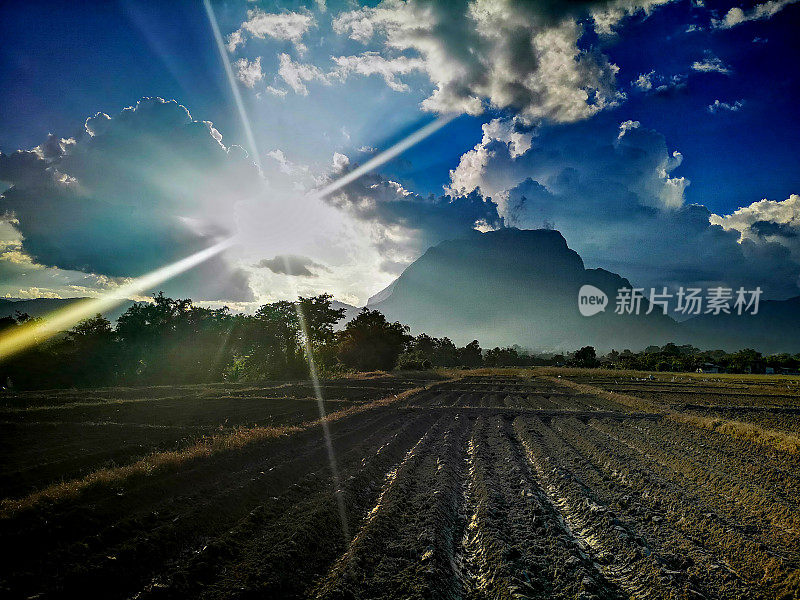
(29,334)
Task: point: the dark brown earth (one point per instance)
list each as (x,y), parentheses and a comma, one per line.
(484,487)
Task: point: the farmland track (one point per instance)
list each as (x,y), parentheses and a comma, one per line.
(485,487)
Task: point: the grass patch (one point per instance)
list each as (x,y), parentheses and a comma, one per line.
(779,440)
(625,399)
(668,375)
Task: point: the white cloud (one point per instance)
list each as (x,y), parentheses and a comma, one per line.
(295,74)
(249,71)
(372,63)
(711,64)
(615,197)
(736,16)
(340,162)
(654,83)
(285,26)
(608,15)
(718,106)
(508,55)
(285,165)
(766,220)
(280,92)
(644,82)
(627,126)
(467,176)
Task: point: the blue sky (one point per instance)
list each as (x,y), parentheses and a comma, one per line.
(708,91)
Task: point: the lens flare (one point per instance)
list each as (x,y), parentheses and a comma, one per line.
(385,156)
(237,96)
(29,334)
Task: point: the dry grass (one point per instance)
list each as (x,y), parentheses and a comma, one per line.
(624,399)
(146,466)
(204,448)
(779,440)
(705,378)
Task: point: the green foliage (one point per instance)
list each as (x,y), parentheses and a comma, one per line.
(173,341)
(687,358)
(369,342)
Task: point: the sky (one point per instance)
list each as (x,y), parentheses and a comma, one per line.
(660,137)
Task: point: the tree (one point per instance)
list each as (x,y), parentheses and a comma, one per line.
(501,357)
(93,330)
(471,355)
(91,351)
(320,318)
(585,357)
(369,342)
(170,340)
(273,341)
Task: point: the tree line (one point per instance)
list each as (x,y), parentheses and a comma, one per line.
(169,341)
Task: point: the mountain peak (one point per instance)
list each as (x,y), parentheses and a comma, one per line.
(512,286)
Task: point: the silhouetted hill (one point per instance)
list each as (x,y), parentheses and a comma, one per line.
(775,328)
(515,286)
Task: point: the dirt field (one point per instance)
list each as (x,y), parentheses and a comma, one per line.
(486,486)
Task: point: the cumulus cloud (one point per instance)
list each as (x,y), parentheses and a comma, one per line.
(372,63)
(249,71)
(725,106)
(296,74)
(512,54)
(291,264)
(131,193)
(736,16)
(285,26)
(285,165)
(340,162)
(766,220)
(615,196)
(643,165)
(644,82)
(468,175)
(711,64)
(655,83)
(404,224)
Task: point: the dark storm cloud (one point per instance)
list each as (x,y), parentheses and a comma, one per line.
(130,194)
(291,264)
(406,224)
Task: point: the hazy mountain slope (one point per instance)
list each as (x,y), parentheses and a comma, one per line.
(775,328)
(515,287)
(350,311)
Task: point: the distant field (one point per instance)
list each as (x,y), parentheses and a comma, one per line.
(539,483)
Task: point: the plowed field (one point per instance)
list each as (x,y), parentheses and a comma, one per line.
(480,487)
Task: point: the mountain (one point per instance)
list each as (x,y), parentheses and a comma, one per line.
(515,286)
(39,307)
(350,311)
(774,328)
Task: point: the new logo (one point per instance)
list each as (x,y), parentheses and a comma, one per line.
(591,300)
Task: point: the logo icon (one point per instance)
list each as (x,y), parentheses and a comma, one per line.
(591,300)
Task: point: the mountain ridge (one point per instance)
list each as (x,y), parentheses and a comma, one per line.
(520,286)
